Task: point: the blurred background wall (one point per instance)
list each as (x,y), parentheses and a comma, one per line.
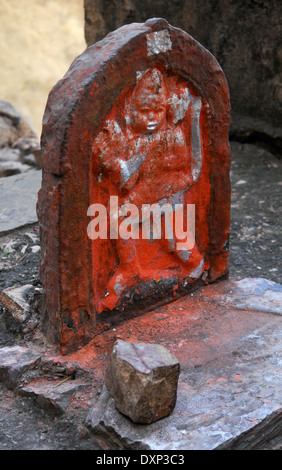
(245,36)
(40,38)
(38,41)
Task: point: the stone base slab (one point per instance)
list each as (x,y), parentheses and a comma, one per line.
(229,392)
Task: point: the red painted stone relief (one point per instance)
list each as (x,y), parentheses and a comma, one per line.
(145,154)
(135,141)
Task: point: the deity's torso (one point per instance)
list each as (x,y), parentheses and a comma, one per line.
(145,168)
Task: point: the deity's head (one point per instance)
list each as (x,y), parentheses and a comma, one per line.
(148,103)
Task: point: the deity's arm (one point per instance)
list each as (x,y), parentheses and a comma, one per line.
(107,147)
(179,159)
(181,103)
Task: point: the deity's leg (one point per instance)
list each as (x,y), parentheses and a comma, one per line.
(126,274)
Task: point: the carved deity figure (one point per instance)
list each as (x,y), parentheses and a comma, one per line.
(150,152)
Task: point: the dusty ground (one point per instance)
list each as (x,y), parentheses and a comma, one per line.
(25,427)
(255,241)
(255,250)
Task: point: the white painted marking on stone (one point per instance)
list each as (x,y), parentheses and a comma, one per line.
(196,149)
(198,271)
(179,105)
(35,248)
(119,285)
(158,42)
(184,255)
(139,74)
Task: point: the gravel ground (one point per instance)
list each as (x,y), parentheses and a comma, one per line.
(255,241)
(255,251)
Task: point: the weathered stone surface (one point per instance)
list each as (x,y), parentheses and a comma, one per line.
(21,315)
(257,294)
(229,389)
(8,133)
(244,36)
(183,157)
(30,150)
(18,197)
(9,111)
(13,125)
(9,154)
(203,425)
(142,378)
(52,396)
(229,360)
(16,364)
(27,144)
(10,168)
(30,159)
(15,301)
(17,140)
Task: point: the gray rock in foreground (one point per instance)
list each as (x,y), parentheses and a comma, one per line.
(142,378)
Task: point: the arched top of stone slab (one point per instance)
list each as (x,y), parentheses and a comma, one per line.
(98,76)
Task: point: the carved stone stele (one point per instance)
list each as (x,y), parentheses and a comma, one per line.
(141,118)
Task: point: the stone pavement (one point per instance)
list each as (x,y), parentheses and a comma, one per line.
(18,197)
